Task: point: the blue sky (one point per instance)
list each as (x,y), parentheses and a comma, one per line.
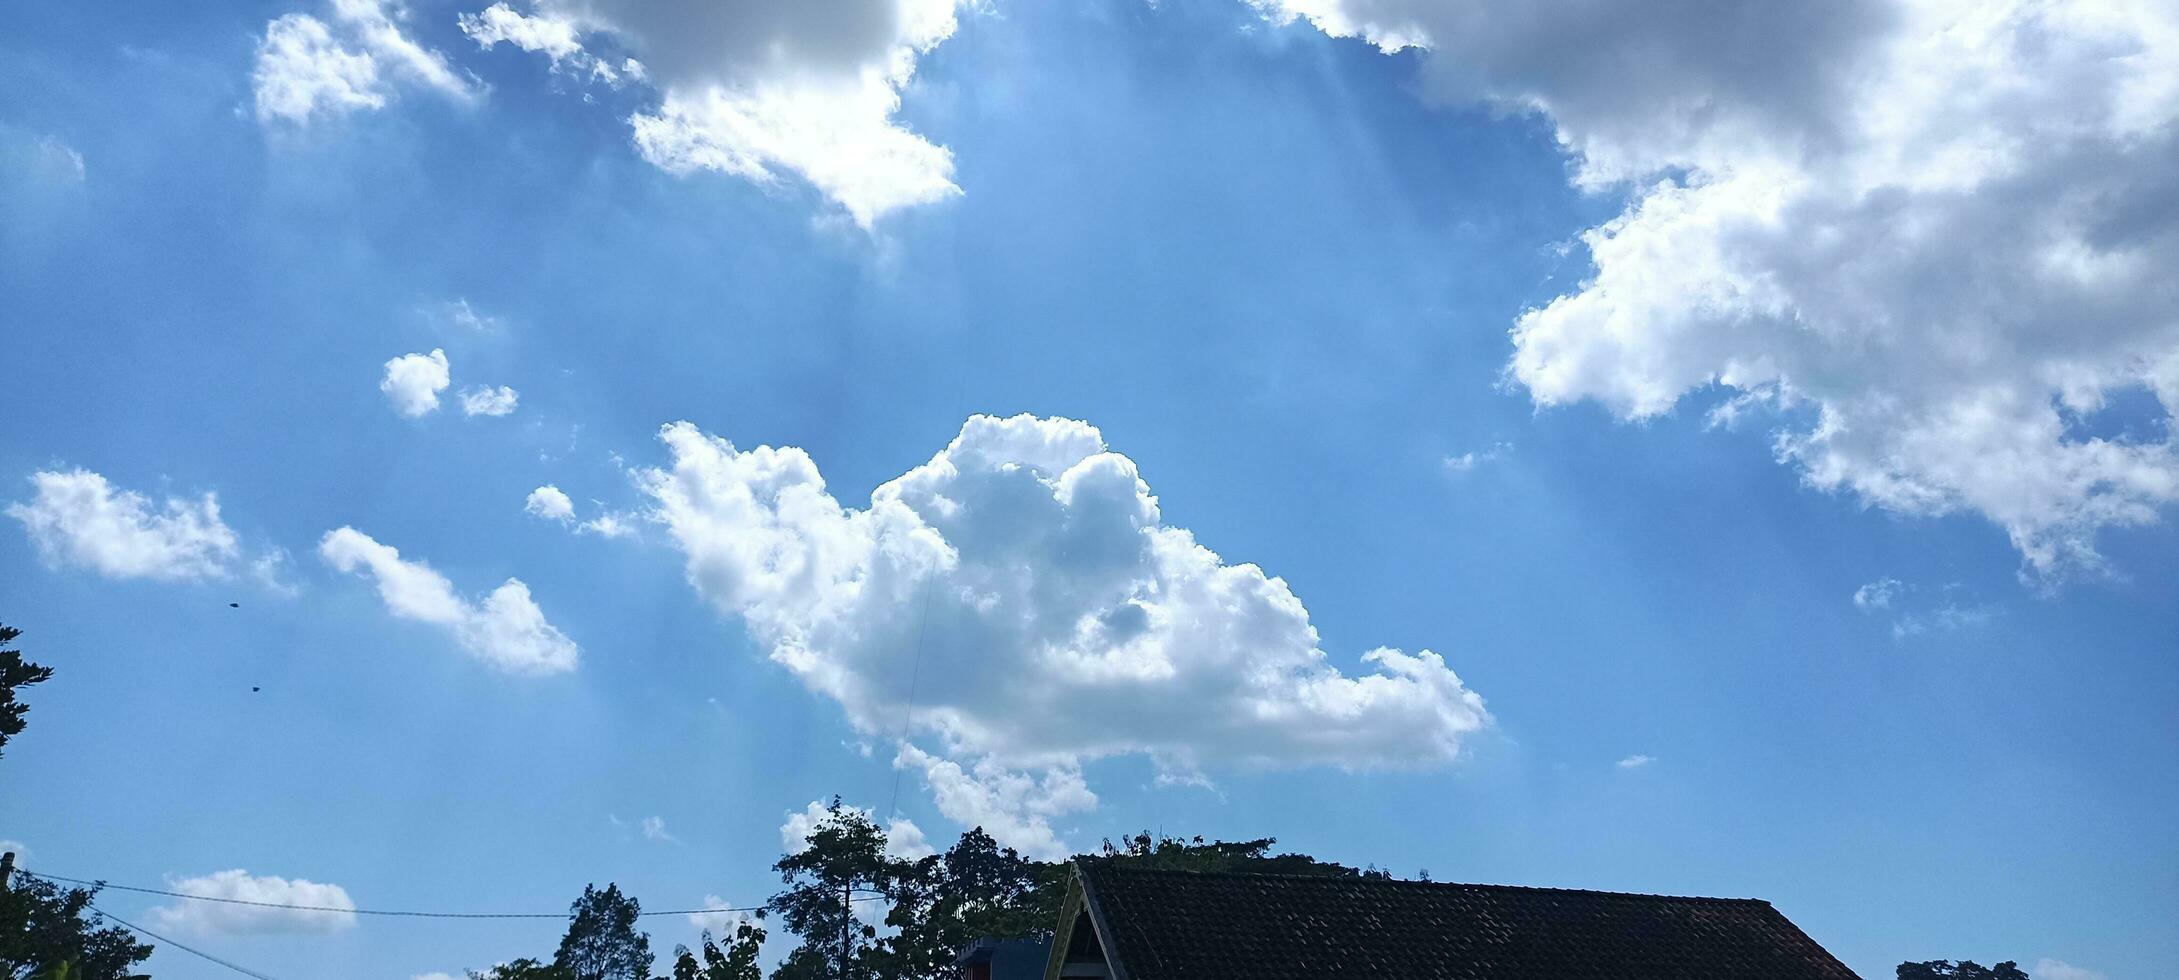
(1477,347)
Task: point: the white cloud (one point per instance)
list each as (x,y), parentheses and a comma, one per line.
(1946,618)
(903,839)
(333,909)
(1933,235)
(549,503)
(1635,761)
(2050,969)
(270,569)
(78,519)
(1011,806)
(1470,460)
(413,382)
(654,828)
(1878,594)
(489,401)
(309,68)
(507,630)
(753,89)
(465,316)
(1028,567)
(607,526)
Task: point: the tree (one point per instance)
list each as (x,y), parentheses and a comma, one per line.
(44,932)
(15,674)
(523,969)
(1963,970)
(1196,854)
(976,889)
(602,942)
(845,852)
(737,961)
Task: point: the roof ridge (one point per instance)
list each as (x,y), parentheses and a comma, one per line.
(1107,864)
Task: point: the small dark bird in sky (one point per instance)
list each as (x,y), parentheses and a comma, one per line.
(253,689)
(234,605)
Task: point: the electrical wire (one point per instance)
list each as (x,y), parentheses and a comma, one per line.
(155,937)
(401,913)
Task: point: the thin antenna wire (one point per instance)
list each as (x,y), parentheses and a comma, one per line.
(383,912)
(155,937)
(915,676)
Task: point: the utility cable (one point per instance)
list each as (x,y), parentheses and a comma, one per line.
(155,937)
(383,912)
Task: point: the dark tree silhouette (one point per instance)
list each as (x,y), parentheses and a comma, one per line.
(975,889)
(1197,854)
(45,929)
(523,969)
(15,674)
(602,942)
(845,852)
(1963,970)
(736,961)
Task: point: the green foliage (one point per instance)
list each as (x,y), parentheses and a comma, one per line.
(602,942)
(524,969)
(1196,854)
(47,931)
(736,961)
(15,674)
(1963,970)
(845,852)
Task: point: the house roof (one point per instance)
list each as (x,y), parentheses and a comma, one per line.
(1178,925)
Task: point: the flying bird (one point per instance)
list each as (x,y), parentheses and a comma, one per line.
(234,605)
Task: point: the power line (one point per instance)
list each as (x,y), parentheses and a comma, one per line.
(402,913)
(155,937)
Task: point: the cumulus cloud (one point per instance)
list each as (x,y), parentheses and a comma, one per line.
(413,382)
(549,503)
(1011,806)
(331,911)
(78,519)
(309,68)
(761,88)
(489,401)
(507,630)
(1934,236)
(2050,969)
(1027,566)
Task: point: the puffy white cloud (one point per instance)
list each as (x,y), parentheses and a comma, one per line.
(78,519)
(1878,594)
(1011,806)
(489,401)
(2050,969)
(309,68)
(1027,567)
(507,630)
(754,89)
(413,382)
(549,503)
(1635,761)
(331,910)
(1934,235)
